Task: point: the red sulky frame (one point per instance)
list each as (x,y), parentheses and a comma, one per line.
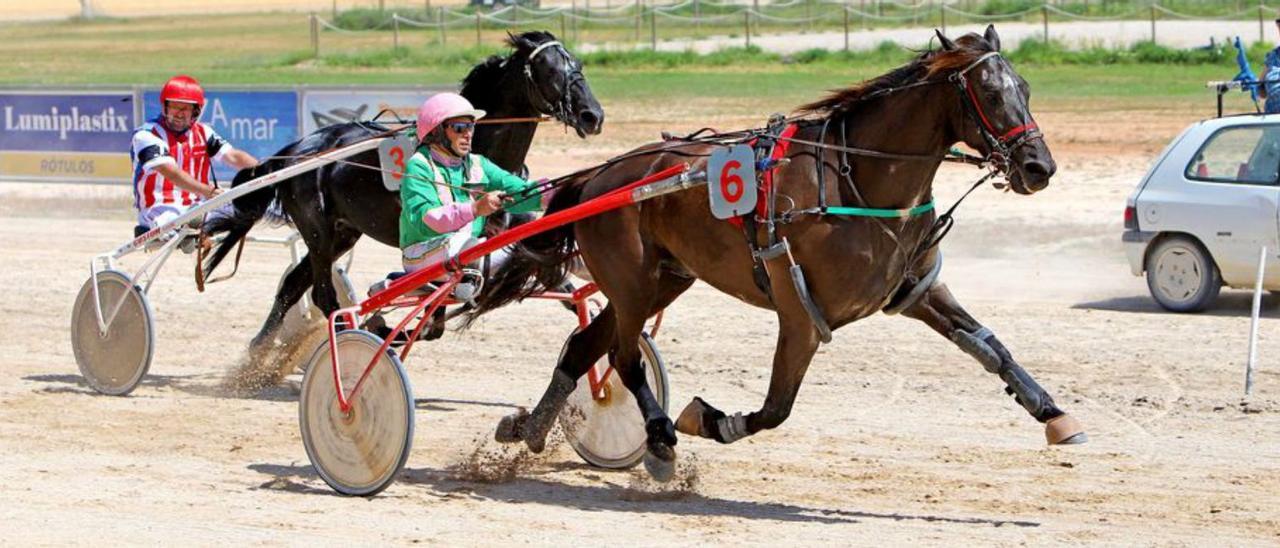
(395,295)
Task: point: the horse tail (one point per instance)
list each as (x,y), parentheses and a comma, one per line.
(262,204)
(245,211)
(538,263)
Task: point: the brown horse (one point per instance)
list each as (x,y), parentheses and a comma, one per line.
(881,143)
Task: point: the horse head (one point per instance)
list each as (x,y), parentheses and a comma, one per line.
(555,82)
(995,118)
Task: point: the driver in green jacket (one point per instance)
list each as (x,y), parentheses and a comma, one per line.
(448,191)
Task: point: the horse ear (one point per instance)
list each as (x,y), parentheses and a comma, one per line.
(518,41)
(947,44)
(992,37)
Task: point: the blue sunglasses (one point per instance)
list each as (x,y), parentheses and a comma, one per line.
(461,127)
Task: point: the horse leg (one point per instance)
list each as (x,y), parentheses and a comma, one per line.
(660,432)
(323,294)
(295,285)
(583,350)
(797,342)
(939,309)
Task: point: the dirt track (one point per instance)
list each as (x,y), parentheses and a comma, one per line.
(897,436)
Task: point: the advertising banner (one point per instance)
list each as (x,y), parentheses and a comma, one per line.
(84,136)
(65,135)
(258,122)
(323,108)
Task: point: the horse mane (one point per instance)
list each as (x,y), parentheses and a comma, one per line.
(926,65)
(481,84)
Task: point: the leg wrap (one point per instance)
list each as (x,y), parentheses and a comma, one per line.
(732,428)
(995,358)
(975,345)
(1029,394)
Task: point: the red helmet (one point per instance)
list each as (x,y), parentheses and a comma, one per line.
(183,89)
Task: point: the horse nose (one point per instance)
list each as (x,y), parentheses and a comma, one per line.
(1037,172)
(591,120)
(1038,168)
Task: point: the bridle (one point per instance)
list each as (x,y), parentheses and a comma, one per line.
(1000,144)
(572,75)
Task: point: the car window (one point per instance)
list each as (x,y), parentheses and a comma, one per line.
(1247,155)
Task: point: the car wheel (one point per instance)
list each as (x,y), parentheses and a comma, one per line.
(1182,276)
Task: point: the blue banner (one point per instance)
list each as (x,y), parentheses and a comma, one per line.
(257,122)
(325,108)
(72,122)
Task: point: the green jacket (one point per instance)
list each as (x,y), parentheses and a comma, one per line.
(419,194)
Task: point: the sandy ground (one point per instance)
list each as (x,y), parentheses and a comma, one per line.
(898,437)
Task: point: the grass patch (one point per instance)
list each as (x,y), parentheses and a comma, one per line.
(1028,53)
(274,50)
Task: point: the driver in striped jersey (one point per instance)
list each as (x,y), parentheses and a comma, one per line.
(172,156)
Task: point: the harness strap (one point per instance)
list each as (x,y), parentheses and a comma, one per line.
(203,244)
(759,274)
(475,176)
(533,54)
(771,148)
(881,212)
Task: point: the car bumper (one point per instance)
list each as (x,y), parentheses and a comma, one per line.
(1135,248)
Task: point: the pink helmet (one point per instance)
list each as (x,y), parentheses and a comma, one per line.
(441,107)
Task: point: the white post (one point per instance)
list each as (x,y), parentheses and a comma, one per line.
(1253,324)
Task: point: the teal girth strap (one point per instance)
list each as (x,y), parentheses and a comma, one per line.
(881,212)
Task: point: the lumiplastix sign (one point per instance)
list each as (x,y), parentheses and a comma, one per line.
(65,135)
(85,135)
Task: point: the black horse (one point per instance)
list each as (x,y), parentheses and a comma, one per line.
(333,206)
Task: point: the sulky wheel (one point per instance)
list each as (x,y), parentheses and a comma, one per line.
(114,360)
(609,432)
(358,452)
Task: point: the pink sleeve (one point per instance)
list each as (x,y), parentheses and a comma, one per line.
(450,217)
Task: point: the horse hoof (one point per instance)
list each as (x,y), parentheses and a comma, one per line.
(1064,430)
(690,421)
(509,427)
(535,445)
(1077,439)
(661,431)
(660,470)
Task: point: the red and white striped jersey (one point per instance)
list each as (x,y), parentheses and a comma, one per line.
(191,151)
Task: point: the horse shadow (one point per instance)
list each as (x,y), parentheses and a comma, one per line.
(286,391)
(194,385)
(75,384)
(608,496)
(442,404)
(1230,304)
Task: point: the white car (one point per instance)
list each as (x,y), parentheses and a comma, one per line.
(1201,215)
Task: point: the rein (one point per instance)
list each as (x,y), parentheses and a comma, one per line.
(995,160)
